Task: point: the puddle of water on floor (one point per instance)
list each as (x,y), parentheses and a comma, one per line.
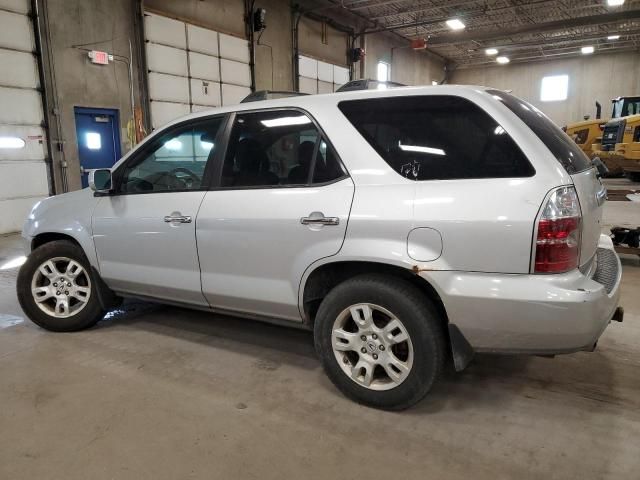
(7,321)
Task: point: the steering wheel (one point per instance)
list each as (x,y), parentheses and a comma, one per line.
(192,177)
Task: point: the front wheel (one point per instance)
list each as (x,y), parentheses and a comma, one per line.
(380,340)
(56,290)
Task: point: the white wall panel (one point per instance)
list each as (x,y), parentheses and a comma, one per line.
(15,32)
(202,40)
(23,179)
(204,67)
(200,108)
(169,88)
(19,6)
(307,67)
(162,112)
(22,69)
(308,85)
(20,106)
(340,75)
(204,92)
(15,211)
(163,59)
(325,87)
(163,30)
(233,94)
(234,48)
(235,72)
(33,137)
(325,72)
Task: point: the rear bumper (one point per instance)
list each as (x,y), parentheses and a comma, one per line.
(537,314)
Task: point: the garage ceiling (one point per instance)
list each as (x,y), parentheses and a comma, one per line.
(522,30)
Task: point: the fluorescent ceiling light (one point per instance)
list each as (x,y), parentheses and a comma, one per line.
(455,24)
(419,149)
(503,60)
(491,51)
(587,50)
(615,3)
(206,145)
(173,144)
(613,37)
(285,121)
(11,142)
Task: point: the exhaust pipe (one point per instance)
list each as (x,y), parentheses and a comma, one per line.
(598,110)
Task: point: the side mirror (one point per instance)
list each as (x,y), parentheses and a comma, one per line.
(100,180)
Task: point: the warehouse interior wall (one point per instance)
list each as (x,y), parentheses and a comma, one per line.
(408,66)
(591,78)
(81,25)
(330,47)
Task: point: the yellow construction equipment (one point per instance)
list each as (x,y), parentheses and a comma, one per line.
(619,148)
(588,132)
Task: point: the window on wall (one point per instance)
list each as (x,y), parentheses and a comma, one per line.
(384,72)
(554,88)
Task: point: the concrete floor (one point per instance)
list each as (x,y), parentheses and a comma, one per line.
(155,392)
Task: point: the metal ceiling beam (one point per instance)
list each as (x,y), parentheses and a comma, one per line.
(488,34)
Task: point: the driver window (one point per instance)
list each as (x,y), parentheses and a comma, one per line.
(176,162)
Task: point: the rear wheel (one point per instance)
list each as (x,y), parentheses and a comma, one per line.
(56,290)
(380,341)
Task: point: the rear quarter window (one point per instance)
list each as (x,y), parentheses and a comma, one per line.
(437,137)
(566,151)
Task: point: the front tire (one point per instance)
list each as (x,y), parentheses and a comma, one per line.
(380,340)
(56,289)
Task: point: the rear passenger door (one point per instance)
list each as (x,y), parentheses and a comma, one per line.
(281,202)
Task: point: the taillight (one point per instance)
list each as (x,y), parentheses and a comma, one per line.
(558,238)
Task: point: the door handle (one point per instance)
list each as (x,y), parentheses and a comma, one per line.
(177,219)
(317,218)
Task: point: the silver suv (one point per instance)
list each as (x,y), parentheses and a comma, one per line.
(406,227)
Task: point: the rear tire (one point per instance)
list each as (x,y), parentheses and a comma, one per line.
(380,340)
(56,289)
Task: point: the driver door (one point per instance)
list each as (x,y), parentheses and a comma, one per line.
(144,233)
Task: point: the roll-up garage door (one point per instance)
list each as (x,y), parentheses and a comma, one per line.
(23,171)
(192,68)
(315,76)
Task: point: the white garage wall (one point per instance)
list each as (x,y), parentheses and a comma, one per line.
(192,68)
(23,171)
(315,76)
(598,77)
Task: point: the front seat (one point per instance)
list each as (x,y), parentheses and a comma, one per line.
(300,173)
(250,156)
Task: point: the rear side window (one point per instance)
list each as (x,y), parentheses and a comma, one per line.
(437,137)
(572,158)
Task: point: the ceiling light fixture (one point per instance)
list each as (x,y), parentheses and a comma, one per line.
(587,50)
(615,3)
(491,51)
(613,37)
(503,60)
(455,24)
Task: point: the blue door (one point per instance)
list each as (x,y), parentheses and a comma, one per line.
(98,133)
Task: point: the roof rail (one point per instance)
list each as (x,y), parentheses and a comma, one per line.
(270,95)
(368,84)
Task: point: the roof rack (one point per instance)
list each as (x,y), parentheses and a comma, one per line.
(368,84)
(269,95)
